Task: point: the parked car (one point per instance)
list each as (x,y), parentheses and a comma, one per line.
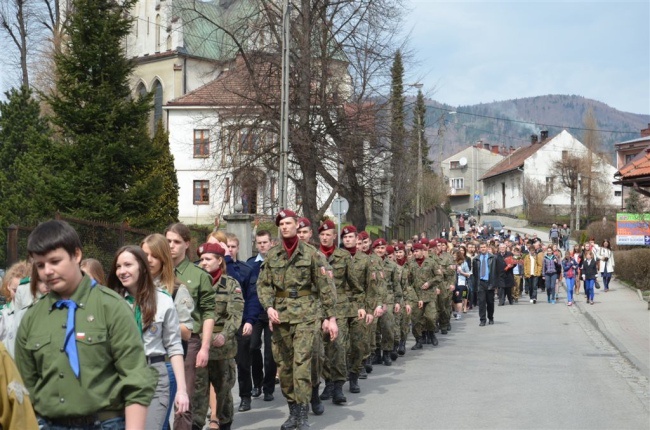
(494,226)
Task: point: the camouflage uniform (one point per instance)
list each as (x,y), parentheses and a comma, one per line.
(229,308)
(293,286)
(444,300)
(424,319)
(403,320)
(386,330)
(381,294)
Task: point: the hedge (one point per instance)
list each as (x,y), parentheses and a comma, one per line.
(633,267)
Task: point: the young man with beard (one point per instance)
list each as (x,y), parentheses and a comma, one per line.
(291,284)
(362,304)
(386,352)
(426,275)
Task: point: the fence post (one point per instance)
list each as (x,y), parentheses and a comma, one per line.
(12,245)
(121,238)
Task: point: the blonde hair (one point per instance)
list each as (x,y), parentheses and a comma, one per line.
(20,270)
(219,235)
(159,248)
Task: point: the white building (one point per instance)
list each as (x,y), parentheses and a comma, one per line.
(503,184)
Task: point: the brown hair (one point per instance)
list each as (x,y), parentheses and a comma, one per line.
(94,269)
(18,270)
(219,235)
(145,296)
(183,231)
(159,248)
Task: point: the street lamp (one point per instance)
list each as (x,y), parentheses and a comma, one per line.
(418,191)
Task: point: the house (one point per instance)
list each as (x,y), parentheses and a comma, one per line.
(533,164)
(636,173)
(463,170)
(626,152)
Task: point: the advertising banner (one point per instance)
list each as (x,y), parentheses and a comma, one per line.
(632,229)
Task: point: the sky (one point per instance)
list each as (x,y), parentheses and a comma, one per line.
(470,52)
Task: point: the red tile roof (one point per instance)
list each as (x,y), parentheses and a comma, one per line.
(638,167)
(514,160)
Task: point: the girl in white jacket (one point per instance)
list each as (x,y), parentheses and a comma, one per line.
(605,263)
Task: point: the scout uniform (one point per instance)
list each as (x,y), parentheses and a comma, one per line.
(16,410)
(293,286)
(113,369)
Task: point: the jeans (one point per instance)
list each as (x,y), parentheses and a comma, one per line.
(570,284)
(112,424)
(172,395)
(551,280)
(606,278)
(589,288)
(531,286)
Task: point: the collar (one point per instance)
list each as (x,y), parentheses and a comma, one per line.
(259,258)
(182,266)
(80,295)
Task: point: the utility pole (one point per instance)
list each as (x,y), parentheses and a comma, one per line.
(284,108)
(578,203)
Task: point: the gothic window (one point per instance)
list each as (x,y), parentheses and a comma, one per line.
(157,103)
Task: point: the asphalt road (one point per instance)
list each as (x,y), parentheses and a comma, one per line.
(539,366)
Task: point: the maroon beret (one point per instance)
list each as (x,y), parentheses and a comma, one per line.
(441,240)
(390,249)
(434,242)
(400,247)
(210,248)
(348,229)
(418,246)
(378,242)
(284,213)
(326,225)
(363,235)
(424,241)
(304,222)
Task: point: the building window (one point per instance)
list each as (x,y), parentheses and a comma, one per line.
(629,157)
(201,143)
(617,193)
(549,185)
(454,165)
(201,192)
(565,155)
(457,183)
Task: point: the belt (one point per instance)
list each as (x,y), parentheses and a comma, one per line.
(292,294)
(88,420)
(155,359)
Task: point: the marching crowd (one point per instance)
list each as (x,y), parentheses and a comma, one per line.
(311,311)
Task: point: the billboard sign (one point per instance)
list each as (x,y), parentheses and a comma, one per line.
(632,229)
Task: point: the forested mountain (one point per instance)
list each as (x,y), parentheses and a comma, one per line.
(511,122)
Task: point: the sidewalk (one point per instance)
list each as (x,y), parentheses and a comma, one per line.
(620,315)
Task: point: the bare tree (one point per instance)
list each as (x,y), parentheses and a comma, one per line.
(534,196)
(14,20)
(568,170)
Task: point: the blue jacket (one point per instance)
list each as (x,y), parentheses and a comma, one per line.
(246,277)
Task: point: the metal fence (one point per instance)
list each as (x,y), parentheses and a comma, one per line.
(432,221)
(100,240)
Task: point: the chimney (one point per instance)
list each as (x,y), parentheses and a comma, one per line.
(479,144)
(486,146)
(495,149)
(533,139)
(543,135)
(646,131)
(512,149)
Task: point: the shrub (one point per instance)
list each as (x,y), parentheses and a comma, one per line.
(601,230)
(633,266)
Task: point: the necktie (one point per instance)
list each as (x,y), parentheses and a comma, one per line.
(482,266)
(70,344)
(138,312)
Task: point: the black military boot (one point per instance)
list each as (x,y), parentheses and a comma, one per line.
(418,344)
(448,326)
(376,358)
(316,405)
(338,397)
(225,426)
(363,374)
(327,391)
(427,336)
(368,365)
(354,383)
(302,423)
(393,353)
(386,358)
(401,349)
(443,329)
(434,339)
(292,422)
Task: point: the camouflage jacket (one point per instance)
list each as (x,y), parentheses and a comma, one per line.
(296,286)
(393,282)
(348,292)
(408,293)
(430,272)
(381,291)
(448,264)
(366,282)
(228,311)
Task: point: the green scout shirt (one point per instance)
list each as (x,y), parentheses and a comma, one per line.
(429,272)
(348,292)
(304,276)
(229,309)
(114,373)
(392,280)
(199,285)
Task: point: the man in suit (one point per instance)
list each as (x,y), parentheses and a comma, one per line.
(485,278)
(506,279)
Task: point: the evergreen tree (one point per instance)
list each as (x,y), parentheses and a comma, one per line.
(419,126)
(401,182)
(102,129)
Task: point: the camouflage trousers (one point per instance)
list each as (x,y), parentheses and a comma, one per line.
(293,348)
(371,338)
(443,304)
(335,363)
(385,334)
(424,318)
(357,345)
(222,375)
(317,357)
(402,322)
(516,290)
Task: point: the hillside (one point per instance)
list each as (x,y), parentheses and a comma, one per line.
(511,122)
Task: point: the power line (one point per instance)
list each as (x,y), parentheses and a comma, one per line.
(529,122)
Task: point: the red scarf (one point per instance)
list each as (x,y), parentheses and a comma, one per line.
(419,261)
(216,275)
(290,244)
(352,250)
(401,261)
(368,252)
(327,251)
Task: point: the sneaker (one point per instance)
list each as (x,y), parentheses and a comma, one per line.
(532,301)
(457,316)
(552,302)
(548,300)
(569,304)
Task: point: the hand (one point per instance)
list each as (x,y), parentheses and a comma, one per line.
(420,304)
(218,340)
(182,402)
(361,314)
(274,317)
(437,290)
(333,328)
(452,287)
(369,318)
(325,326)
(247,330)
(425,286)
(379,311)
(408,309)
(397,308)
(202,357)
(225,247)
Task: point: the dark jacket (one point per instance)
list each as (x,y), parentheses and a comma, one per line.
(476,271)
(243,273)
(589,270)
(506,278)
(256,266)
